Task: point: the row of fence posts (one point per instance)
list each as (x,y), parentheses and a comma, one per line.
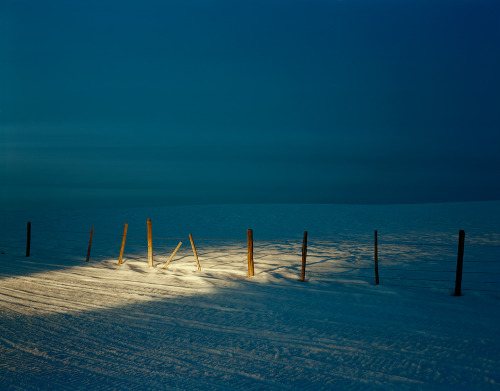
(251,270)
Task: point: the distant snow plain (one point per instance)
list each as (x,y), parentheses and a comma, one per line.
(70,324)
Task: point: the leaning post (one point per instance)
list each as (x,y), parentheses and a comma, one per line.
(123,244)
(194,251)
(172,256)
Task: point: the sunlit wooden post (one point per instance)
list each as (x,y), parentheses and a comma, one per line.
(150,244)
(460,263)
(376,257)
(123,244)
(304,256)
(28,239)
(90,243)
(251,271)
(172,256)
(194,251)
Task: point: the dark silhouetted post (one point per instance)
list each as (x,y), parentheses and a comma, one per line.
(90,243)
(304,256)
(376,258)
(28,239)
(150,244)
(460,263)
(194,251)
(123,244)
(250,253)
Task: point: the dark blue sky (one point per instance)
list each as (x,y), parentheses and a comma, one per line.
(138,103)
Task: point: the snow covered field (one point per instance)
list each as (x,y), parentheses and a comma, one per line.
(68,324)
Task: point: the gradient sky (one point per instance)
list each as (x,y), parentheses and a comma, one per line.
(151,102)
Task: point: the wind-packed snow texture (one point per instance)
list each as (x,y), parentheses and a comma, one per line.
(68,324)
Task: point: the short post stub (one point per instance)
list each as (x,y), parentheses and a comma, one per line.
(150,244)
(460,263)
(90,243)
(376,257)
(123,244)
(304,257)
(251,270)
(194,251)
(28,239)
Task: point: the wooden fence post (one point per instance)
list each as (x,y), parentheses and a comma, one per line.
(123,244)
(460,263)
(150,244)
(251,271)
(172,256)
(304,256)
(194,251)
(28,239)
(376,258)
(90,243)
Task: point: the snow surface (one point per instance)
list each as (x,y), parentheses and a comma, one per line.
(68,324)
